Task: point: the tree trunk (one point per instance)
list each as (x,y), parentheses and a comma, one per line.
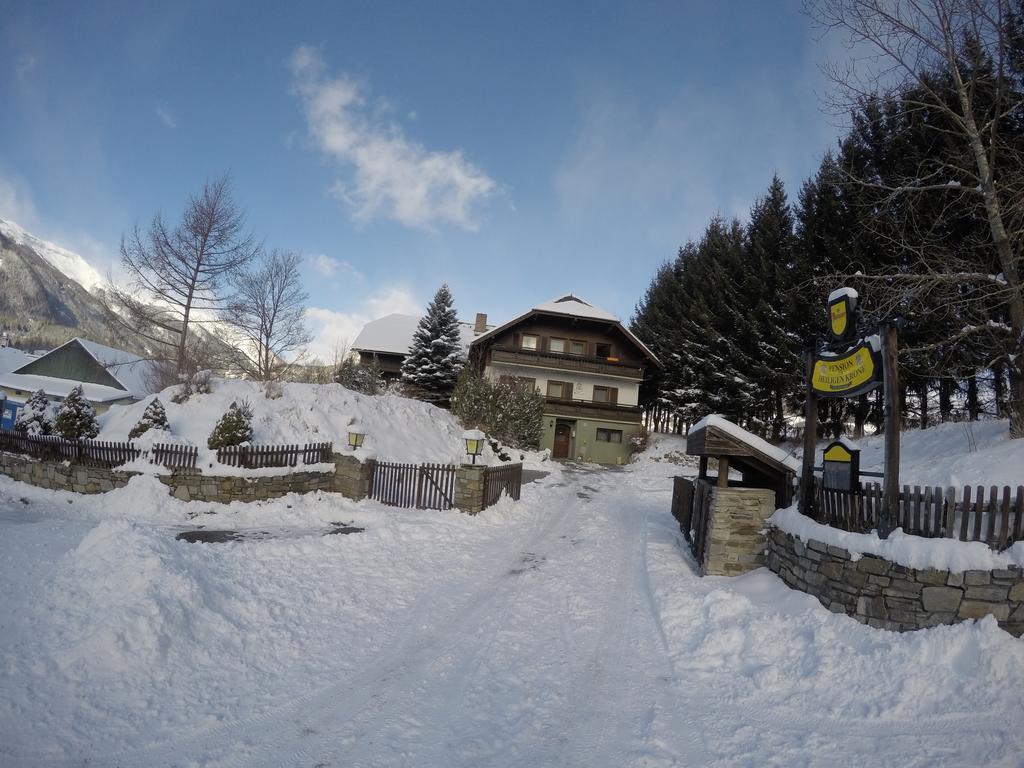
(998,393)
(972,397)
(945,400)
(922,398)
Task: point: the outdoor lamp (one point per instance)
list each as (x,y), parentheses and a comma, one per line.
(356,433)
(474,442)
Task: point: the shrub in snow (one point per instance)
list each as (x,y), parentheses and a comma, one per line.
(509,411)
(431,369)
(199,383)
(76,417)
(360,378)
(234,427)
(154,417)
(35,418)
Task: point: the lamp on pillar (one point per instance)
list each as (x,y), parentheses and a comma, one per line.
(474,440)
(356,434)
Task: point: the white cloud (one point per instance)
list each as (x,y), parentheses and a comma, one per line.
(16,204)
(388,174)
(335,331)
(328,266)
(166,117)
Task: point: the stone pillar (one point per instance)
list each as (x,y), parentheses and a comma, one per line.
(352,476)
(469,488)
(736,539)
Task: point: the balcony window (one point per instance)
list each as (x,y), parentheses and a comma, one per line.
(529,341)
(559,390)
(606,394)
(577,347)
(609,435)
(603,351)
(556,345)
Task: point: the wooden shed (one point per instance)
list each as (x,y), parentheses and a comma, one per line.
(761,464)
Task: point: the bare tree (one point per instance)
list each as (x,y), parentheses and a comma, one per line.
(956,60)
(266,314)
(178,272)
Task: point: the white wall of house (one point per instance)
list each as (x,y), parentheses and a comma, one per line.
(583,383)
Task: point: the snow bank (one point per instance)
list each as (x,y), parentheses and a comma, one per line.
(397,428)
(910,551)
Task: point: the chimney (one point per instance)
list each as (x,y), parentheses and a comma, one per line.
(481,323)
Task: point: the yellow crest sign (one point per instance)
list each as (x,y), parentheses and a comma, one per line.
(846,375)
(842,314)
(838,316)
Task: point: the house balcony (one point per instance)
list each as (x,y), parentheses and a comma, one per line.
(591,409)
(565,362)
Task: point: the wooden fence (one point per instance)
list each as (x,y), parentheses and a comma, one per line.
(94,453)
(419,486)
(258,456)
(174,456)
(994,516)
(499,480)
(691,507)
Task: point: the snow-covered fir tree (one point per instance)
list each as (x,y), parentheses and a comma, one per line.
(154,417)
(76,417)
(435,359)
(36,417)
(233,428)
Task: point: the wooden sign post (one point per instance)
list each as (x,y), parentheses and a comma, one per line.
(810,439)
(891,392)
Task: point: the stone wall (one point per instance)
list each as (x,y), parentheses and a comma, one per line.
(60,476)
(735,538)
(469,488)
(890,596)
(191,485)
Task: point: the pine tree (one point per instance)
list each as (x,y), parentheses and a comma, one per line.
(76,418)
(233,428)
(365,379)
(435,359)
(35,418)
(154,417)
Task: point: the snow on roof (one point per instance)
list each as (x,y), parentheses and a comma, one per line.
(392,334)
(755,442)
(573,305)
(30,382)
(131,371)
(12,359)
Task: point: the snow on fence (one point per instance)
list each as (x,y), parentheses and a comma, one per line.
(259,456)
(499,480)
(994,516)
(95,453)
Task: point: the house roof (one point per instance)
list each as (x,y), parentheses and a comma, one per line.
(132,372)
(392,334)
(572,306)
(11,359)
(30,382)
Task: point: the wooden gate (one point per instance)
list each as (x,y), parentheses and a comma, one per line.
(419,486)
(691,506)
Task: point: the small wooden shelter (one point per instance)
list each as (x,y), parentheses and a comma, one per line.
(761,464)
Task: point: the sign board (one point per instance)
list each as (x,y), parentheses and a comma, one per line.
(849,374)
(840,467)
(842,314)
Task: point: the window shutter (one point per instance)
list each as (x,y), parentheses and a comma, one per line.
(613,395)
(567,391)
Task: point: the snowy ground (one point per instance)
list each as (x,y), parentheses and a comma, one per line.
(569,629)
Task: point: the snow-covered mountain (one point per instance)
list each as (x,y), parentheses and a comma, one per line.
(65,261)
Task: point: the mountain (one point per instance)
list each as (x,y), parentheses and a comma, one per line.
(41,305)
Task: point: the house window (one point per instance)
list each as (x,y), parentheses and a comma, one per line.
(606,394)
(603,351)
(559,390)
(519,381)
(577,347)
(556,345)
(609,435)
(529,341)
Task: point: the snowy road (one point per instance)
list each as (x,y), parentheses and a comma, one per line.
(568,630)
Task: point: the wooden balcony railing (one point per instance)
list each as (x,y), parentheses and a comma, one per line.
(565,362)
(593,409)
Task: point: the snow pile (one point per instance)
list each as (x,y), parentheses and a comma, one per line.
(397,428)
(952,454)
(911,551)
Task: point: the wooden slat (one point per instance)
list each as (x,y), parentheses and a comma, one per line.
(979,510)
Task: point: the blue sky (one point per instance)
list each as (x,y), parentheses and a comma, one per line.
(516,151)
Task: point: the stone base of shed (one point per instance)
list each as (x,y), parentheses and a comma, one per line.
(735,535)
(890,596)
